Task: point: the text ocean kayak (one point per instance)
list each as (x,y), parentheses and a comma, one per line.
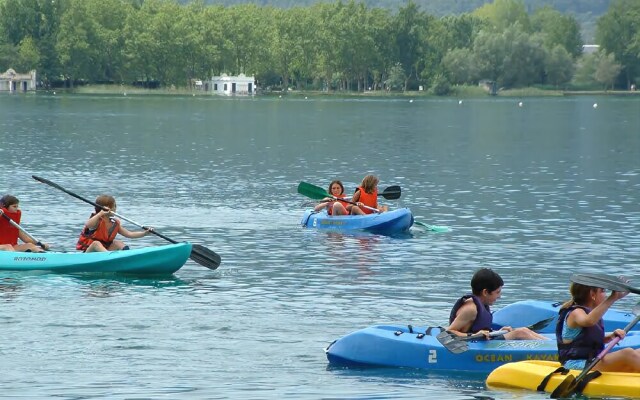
(527,312)
(389,222)
(529,375)
(148,260)
(398,346)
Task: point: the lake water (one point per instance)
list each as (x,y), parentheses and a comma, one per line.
(535,192)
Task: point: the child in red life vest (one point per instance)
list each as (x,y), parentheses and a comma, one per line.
(336,189)
(100,230)
(9,234)
(366,196)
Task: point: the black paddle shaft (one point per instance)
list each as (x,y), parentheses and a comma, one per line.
(200,254)
(48,182)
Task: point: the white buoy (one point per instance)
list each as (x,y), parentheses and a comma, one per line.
(305,97)
(459,101)
(520,104)
(411,101)
(595,105)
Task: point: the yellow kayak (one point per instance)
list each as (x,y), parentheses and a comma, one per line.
(529,375)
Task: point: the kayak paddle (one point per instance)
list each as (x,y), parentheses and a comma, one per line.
(318,193)
(570,385)
(200,254)
(603,281)
(458,344)
(16,225)
(434,228)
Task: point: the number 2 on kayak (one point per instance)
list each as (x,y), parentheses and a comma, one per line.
(433,356)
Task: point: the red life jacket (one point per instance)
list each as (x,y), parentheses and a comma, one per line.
(368,199)
(102,233)
(9,233)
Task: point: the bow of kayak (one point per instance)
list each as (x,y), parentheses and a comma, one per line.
(528,375)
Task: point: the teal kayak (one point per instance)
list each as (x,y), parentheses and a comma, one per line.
(147,260)
(389,222)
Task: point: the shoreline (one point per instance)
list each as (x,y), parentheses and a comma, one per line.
(456,92)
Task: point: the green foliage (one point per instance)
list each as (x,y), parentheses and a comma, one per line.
(500,14)
(558,29)
(607,70)
(585,71)
(440,86)
(559,66)
(461,66)
(341,45)
(28,54)
(618,33)
(397,78)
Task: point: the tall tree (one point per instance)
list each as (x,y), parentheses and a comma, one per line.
(618,32)
(39,21)
(558,29)
(409,32)
(607,70)
(559,66)
(500,14)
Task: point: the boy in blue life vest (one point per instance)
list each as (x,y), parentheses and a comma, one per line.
(471,313)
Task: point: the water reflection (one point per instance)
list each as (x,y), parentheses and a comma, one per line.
(10,288)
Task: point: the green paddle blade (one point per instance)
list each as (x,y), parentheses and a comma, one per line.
(312,191)
(433,228)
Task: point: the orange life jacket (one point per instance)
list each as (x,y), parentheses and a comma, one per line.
(9,233)
(368,199)
(102,233)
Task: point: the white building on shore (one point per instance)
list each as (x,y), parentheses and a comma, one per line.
(10,81)
(233,85)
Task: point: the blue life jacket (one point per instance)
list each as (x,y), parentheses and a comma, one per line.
(483,318)
(588,343)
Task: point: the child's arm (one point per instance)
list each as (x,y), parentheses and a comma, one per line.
(133,235)
(92,223)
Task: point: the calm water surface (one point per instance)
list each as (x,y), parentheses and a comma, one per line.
(535,192)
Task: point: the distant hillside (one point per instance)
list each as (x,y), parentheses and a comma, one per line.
(585,11)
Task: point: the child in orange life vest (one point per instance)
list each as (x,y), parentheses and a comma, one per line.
(336,189)
(367,195)
(100,231)
(9,234)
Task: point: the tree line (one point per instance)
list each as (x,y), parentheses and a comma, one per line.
(344,45)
